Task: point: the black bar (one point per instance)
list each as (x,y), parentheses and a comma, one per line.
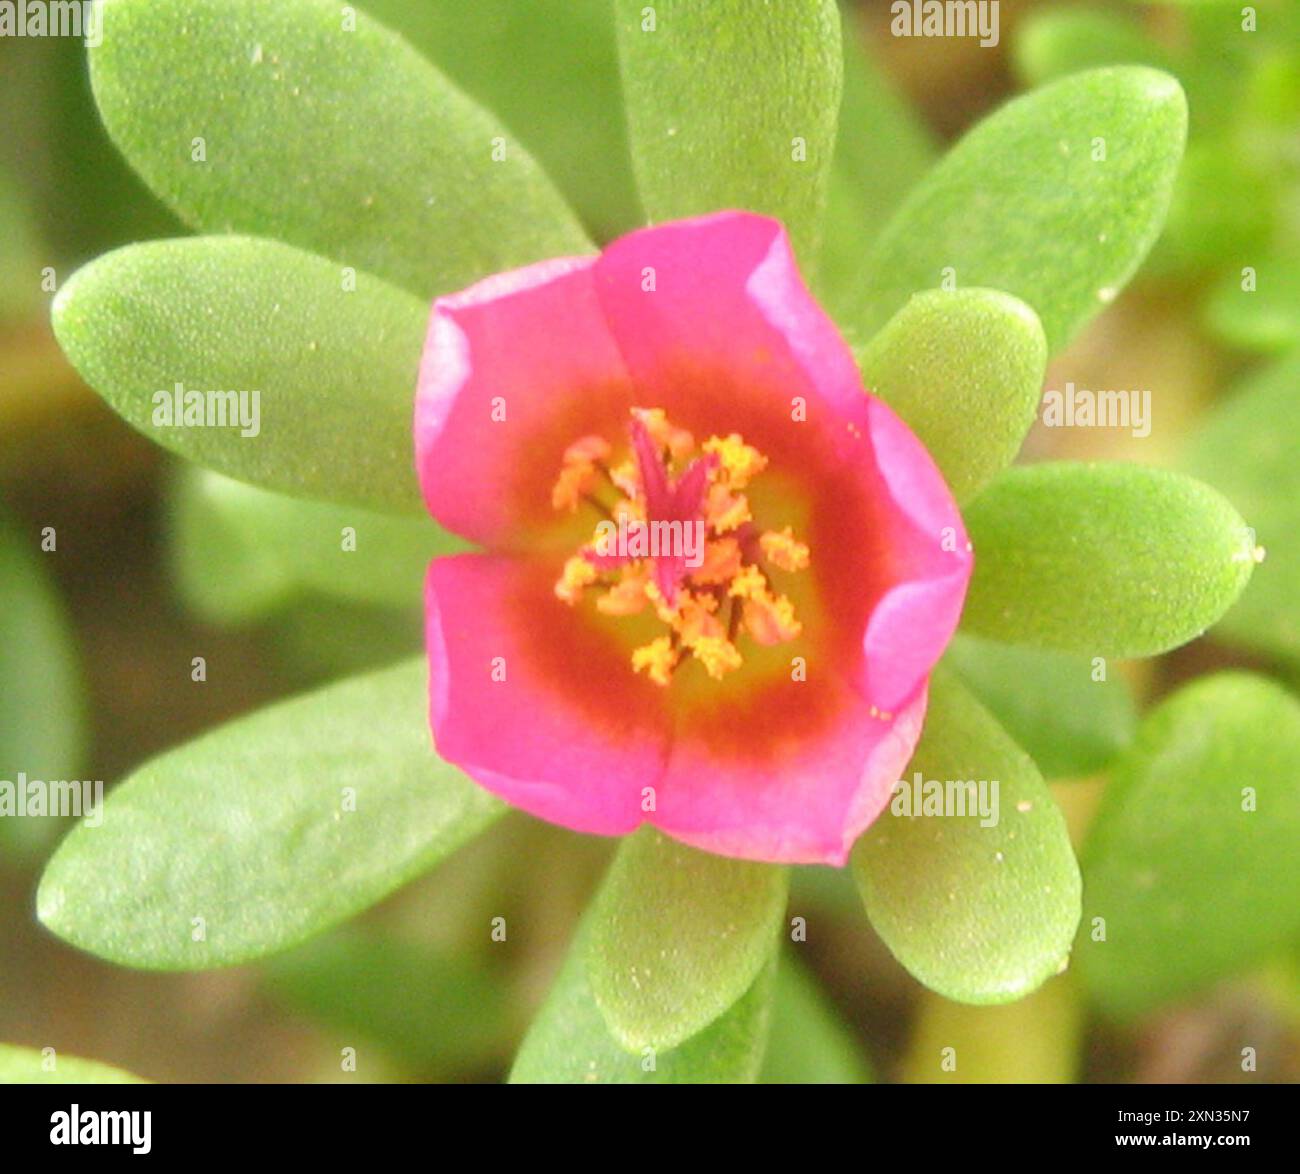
(331,1123)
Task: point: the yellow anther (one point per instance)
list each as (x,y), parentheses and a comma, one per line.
(740,462)
(721,562)
(677,441)
(667,614)
(626,479)
(695,620)
(577,574)
(717,654)
(783,550)
(579,471)
(748,584)
(724,510)
(658,658)
(569,488)
(770,619)
(628,596)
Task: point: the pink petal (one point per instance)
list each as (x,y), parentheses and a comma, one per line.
(803,799)
(912,623)
(570,734)
(729,333)
(531,344)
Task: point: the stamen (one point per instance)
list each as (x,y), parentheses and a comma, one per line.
(782,550)
(658,659)
(578,573)
(740,462)
(579,472)
(664,480)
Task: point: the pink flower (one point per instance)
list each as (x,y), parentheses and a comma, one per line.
(757,696)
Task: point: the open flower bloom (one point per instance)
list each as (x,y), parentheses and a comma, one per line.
(717,572)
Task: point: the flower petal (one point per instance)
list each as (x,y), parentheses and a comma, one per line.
(536,702)
(515,369)
(911,624)
(781,791)
(716,326)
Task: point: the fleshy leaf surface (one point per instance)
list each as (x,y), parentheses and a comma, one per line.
(808,1041)
(343,140)
(333,367)
(964,368)
(882,149)
(42,707)
(1191,863)
(271,547)
(519,61)
(1070,715)
(570,1042)
(1103,559)
(979,914)
(704,137)
(437,1012)
(677,937)
(1247,445)
(1056,198)
(265,831)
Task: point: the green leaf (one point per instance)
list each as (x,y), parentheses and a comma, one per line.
(520,61)
(28,1066)
(677,936)
(334,367)
(882,148)
(964,369)
(977,914)
(704,136)
(343,140)
(1024,202)
(1052,704)
(1103,559)
(1265,318)
(1191,861)
(238,551)
(434,1012)
(808,1042)
(1222,213)
(569,1041)
(1050,44)
(1247,444)
(265,831)
(42,718)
